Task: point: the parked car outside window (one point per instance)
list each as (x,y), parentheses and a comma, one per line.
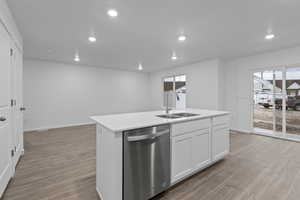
(291,103)
(265,99)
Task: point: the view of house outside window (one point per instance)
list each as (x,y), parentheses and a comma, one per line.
(174,88)
(277,100)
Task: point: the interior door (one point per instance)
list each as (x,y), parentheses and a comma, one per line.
(17,103)
(5,159)
(13,91)
(5,136)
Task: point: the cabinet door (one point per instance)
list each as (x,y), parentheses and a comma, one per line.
(220,142)
(181,156)
(201,149)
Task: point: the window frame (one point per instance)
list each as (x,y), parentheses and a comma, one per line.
(174,88)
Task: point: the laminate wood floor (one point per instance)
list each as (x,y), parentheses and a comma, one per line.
(60,165)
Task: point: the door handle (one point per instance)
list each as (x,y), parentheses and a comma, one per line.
(2,119)
(147,137)
(140,138)
(22,109)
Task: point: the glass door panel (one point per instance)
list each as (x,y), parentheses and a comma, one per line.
(263,104)
(293,101)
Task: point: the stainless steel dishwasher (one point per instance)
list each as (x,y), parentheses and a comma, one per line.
(146,162)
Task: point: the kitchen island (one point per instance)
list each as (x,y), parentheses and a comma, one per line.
(196,141)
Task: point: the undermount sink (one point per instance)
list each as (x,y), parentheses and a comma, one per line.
(169,116)
(177,115)
(186,114)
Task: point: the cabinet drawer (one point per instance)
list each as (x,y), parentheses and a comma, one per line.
(189,126)
(4,116)
(221,120)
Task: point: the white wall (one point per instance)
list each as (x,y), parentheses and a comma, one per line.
(238,80)
(202,84)
(58,95)
(7,20)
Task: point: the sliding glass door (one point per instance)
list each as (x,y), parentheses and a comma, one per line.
(263,104)
(293,101)
(276,96)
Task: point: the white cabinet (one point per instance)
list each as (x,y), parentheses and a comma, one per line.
(181,156)
(220,142)
(197,144)
(191,148)
(201,149)
(220,137)
(190,153)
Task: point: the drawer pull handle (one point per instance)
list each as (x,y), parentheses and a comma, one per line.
(2,119)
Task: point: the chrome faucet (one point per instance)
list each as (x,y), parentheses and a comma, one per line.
(168,109)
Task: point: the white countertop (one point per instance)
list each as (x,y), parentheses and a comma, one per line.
(128,121)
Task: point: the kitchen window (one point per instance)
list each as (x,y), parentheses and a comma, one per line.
(174,91)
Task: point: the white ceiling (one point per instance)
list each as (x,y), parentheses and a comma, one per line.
(146,30)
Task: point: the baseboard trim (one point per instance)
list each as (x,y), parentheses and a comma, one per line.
(45,128)
(266,135)
(99,193)
(5,178)
(276,137)
(19,153)
(185,178)
(240,131)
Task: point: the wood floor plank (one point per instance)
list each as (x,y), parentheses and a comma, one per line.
(60,164)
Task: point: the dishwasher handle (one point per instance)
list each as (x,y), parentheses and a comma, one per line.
(147,136)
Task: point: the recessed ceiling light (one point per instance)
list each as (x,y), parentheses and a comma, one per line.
(92,39)
(77,59)
(269,36)
(140,67)
(112,13)
(182,38)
